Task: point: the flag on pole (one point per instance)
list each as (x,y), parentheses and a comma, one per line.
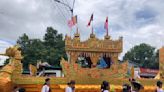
(72,22)
(91,19)
(106,25)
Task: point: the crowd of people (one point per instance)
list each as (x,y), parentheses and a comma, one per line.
(134,86)
(137,87)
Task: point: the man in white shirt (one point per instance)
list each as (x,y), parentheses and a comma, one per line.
(46,87)
(159,86)
(68,88)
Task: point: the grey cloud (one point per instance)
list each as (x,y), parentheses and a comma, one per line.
(28,16)
(33,16)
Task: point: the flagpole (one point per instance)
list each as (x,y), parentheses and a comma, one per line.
(71,32)
(107,32)
(92,30)
(106,26)
(77,24)
(71,19)
(90,23)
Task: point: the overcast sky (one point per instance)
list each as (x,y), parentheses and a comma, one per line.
(137,21)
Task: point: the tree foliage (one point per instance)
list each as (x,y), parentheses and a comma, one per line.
(50,49)
(144,55)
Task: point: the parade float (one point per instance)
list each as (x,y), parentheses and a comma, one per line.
(87,79)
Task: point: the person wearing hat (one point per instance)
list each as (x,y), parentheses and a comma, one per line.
(159,86)
(70,87)
(46,87)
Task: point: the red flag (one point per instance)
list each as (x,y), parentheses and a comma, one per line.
(91,19)
(74,20)
(106,25)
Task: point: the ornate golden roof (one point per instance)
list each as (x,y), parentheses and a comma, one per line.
(93,44)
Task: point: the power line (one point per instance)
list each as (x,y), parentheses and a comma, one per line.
(66,7)
(67,2)
(73,4)
(71,8)
(61,13)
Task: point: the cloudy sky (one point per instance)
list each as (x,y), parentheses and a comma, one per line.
(137,21)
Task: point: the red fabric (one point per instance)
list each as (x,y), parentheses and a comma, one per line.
(106,24)
(91,19)
(74,20)
(70,23)
(151,71)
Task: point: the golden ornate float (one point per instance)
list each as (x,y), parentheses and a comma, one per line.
(93,48)
(87,79)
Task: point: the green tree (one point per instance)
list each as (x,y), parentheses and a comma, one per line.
(144,55)
(55,46)
(50,50)
(23,41)
(32,50)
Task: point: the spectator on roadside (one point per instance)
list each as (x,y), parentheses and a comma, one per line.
(46,87)
(105,86)
(22,90)
(70,87)
(136,86)
(15,89)
(159,86)
(126,88)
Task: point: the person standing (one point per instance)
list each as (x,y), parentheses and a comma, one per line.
(16,89)
(126,88)
(22,90)
(70,87)
(105,86)
(159,86)
(46,87)
(136,86)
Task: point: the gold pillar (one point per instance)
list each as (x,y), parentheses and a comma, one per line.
(161,62)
